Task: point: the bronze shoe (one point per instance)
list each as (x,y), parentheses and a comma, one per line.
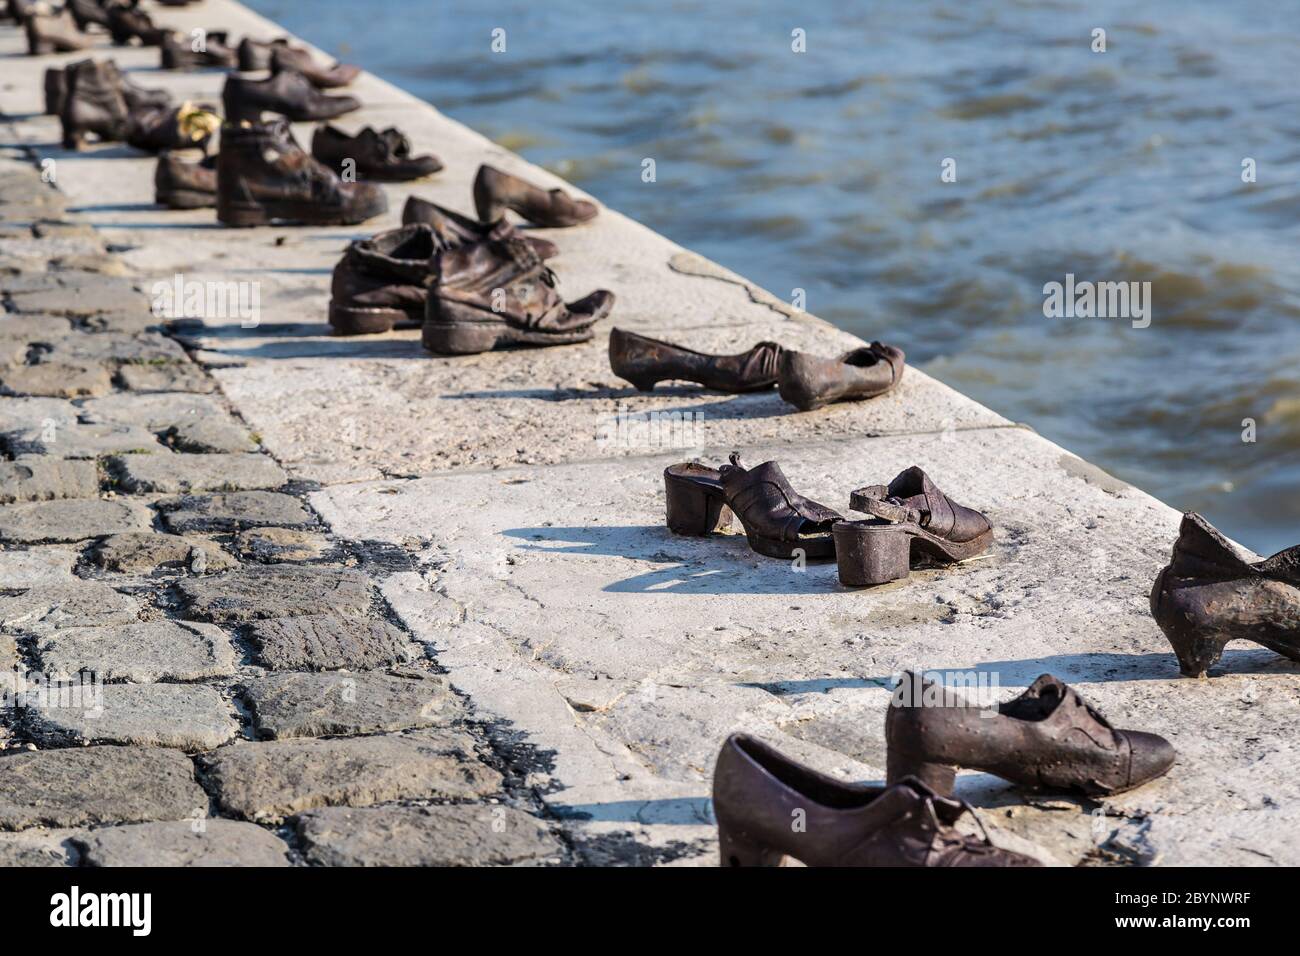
(255,55)
(914,522)
(129,22)
(499,293)
(495,192)
(1048,737)
(377,156)
(287,93)
(1209,595)
(452,229)
(179,184)
(381,283)
(778,521)
(178,52)
(56,33)
(808,381)
(285,57)
(136,97)
(88,13)
(264,175)
(93,103)
(768,808)
(645,362)
(154,129)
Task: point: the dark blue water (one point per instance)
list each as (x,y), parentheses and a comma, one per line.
(821,171)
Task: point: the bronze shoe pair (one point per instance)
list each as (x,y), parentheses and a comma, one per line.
(914,522)
(382,283)
(1209,595)
(1047,737)
(287,93)
(768,807)
(263,175)
(496,191)
(498,293)
(127,22)
(188,126)
(135,97)
(805,381)
(375,155)
(778,521)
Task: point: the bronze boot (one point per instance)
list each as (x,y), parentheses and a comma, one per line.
(495,192)
(264,175)
(1048,737)
(179,184)
(808,381)
(453,229)
(1209,595)
(914,522)
(768,808)
(381,283)
(56,33)
(93,103)
(287,93)
(497,293)
(645,362)
(88,13)
(129,22)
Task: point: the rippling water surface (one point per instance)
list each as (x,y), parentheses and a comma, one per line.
(821,171)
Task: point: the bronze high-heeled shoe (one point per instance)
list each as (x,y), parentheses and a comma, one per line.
(1209,595)
(645,362)
(768,807)
(778,521)
(913,520)
(1049,737)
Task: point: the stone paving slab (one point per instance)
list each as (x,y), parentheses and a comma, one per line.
(29,567)
(182,843)
(187,717)
(279,591)
(56,380)
(71,520)
(271,545)
(82,441)
(188,474)
(89,785)
(329,642)
(38,848)
(234,512)
(35,478)
(51,607)
(145,551)
(268,781)
(154,412)
(142,651)
(319,705)
(445,835)
(168,377)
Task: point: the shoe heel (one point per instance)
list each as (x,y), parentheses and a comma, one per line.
(736,849)
(869,555)
(694,509)
(41,48)
(937,776)
(238,214)
(346,320)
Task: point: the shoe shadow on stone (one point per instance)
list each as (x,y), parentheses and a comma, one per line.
(679,811)
(1103,667)
(722,564)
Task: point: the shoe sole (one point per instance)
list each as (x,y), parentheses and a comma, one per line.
(307,214)
(185,199)
(351,320)
(470,339)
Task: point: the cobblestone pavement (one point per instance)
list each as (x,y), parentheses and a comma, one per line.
(355,603)
(261,704)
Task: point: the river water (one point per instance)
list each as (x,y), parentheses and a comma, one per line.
(823,171)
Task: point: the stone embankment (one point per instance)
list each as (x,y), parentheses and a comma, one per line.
(355,603)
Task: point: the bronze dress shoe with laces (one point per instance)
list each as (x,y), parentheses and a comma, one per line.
(287,93)
(1048,737)
(378,156)
(759,794)
(453,229)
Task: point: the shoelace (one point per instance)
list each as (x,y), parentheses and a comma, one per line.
(956,839)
